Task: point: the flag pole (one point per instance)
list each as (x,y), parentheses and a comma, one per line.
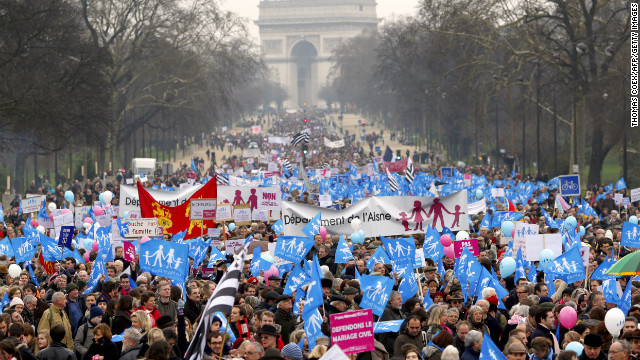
(224,337)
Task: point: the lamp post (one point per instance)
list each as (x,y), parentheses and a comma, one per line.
(539,158)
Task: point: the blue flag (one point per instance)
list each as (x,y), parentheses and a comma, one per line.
(223,326)
(313,227)
(103,237)
(610,291)
(549,220)
(293,248)
(198,250)
(297,278)
(432,247)
(625,300)
(216,254)
(97,270)
(519,266)
(193,166)
(22,250)
(379,257)
(315,295)
(296,304)
(568,266)
(600,273)
(501,216)
(343,252)
(312,325)
(630,235)
(620,184)
(123,228)
(178,237)
(42,214)
(489,350)
(258,263)
(165,258)
(277,227)
(382,327)
(375,292)
(427,300)
(132,284)
(6,247)
(5,300)
(402,253)
(34,279)
(408,286)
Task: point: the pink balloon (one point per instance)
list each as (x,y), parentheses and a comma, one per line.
(86,256)
(513,232)
(568,317)
(34,223)
(273,271)
(449,252)
(94,247)
(98,210)
(445,240)
(88,220)
(144,239)
(65,211)
(323,232)
(51,216)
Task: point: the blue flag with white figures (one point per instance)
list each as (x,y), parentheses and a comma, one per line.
(408,286)
(382,327)
(123,227)
(486,221)
(293,248)
(277,227)
(621,184)
(42,214)
(103,237)
(314,297)
(432,247)
(630,235)
(610,291)
(198,250)
(519,266)
(549,220)
(5,300)
(484,280)
(313,227)
(297,278)
(401,251)
(501,216)
(343,252)
(489,350)
(223,326)
(165,258)
(300,295)
(6,248)
(97,270)
(258,263)
(625,299)
(378,257)
(22,250)
(427,300)
(178,237)
(31,234)
(312,326)
(568,266)
(216,255)
(600,273)
(34,279)
(551,287)
(375,292)
(531,271)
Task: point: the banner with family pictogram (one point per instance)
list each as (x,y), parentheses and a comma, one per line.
(383,215)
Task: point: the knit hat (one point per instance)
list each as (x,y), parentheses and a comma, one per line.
(101,299)
(95,311)
(16,301)
(81,284)
(292,351)
(71,287)
(608,234)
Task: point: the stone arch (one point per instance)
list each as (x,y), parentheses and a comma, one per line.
(304,58)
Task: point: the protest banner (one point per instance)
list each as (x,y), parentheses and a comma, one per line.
(459,245)
(232,246)
(497,192)
(333,144)
(202,209)
(269,199)
(478,207)
(352,331)
(143,227)
(535,243)
(396,166)
(129,251)
(521,230)
(242,215)
(64,219)
(32,204)
(325,200)
(255,129)
(635,195)
(383,215)
(260,215)
(283,140)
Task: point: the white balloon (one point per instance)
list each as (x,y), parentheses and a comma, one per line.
(14,270)
(614,321)
(355,224)
(462,235)
(86,226)
(51,206)
(41,229)
(107,196)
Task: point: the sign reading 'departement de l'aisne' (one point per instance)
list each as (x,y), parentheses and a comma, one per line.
(143,227)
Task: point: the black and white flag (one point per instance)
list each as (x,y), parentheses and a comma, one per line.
(408,172)
(301,137)
(287,165)
(393,183)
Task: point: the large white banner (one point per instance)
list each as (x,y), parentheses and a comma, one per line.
(477,207)
(129,200)
(333,144)
(383,215)
(279,140)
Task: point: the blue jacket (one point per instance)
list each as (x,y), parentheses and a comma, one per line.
(470,354)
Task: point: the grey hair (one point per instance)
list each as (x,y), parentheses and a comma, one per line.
(29,299)
(133,335)
(486,291)
(626,346)
(450,353)
(575,306)
(473,309)
(473,337)
(453,310)
(57,296)
(394,294)
(523,310)
(258,346)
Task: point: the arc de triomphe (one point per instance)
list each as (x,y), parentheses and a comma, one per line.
(298,36)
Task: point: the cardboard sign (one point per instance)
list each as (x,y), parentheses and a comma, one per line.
(255,129)
(497,192)
(66,235)
(224,212)
(269,199)
(232,245)
(352,331)
(214,233)
(202,209)
(521,231)
(635,195)
(325,200)
(618,199)
(32,204)
(129,251)
(536,243)
(143,227)
(242,215)
(459,245)
(446,172)
(260,215)
(208,272)
(62,220)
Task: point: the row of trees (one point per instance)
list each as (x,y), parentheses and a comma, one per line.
(109,78)
(546,80)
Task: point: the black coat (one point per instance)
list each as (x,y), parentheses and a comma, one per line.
(191,310)
(121,322)
(104,348)
(56,351)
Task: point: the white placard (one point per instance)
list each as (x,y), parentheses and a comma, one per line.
(497,192)
(521,231)
(618,199)
(260,215)
(185,186)
(81,213)
(143,227)
(242,216)
(478,207)
(232,245)
(202,209)
(584,252)
(32,204)
(635,195)
(325,200)
(272,167)
(223,212)
(269,199)
(129,181)
(537,243)
(62,220)
(104,220)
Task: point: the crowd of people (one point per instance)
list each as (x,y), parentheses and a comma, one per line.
(132,314)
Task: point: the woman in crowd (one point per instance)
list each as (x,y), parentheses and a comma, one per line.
(8,351)
(140,321)
(43,342)
(122,319)
(102,345)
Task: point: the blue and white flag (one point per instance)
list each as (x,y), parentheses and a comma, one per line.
(103,237)
(519,266)
(34,279)
(178,237)
(375,292)
(297,278)
(293,248)
(382,327)
(277,227)
(621,184)
(22,250)
(216,255)
(42,214)
(258,263)
(630,235)
(427,300)
(401,251)
(343,252)
(132,284)
(501,216)
(610,291)
(312,325)
(489,350)
(600,273)
(625,299)
(379,257)
(97,270)
(314,297)
(549,220)
(408,286)
(568,266)
(193,166)
(6,248)
(296,304)
(123,228)
(432,247)
(5,300)
(198,250)
(486,221)
(223,326)
(313,227)
(164,258)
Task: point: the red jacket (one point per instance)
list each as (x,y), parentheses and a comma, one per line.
(154,314)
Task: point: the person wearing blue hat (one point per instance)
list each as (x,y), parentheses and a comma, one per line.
(291,351)
(84,335)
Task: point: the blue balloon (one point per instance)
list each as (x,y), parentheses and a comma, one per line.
(575,346)
(479,194)
(357,237)
(570,223)
(633,219)
(125,215)
(88,244)
(232,226)
(101,198)
(267,256)
(68,195)
(507,228)
(507,267)
(546,257)
(582,231)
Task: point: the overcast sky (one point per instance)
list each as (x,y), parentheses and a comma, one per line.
(386,9)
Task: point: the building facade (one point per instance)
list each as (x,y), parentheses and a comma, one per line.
(297,38)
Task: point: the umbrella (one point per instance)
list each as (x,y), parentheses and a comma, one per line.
(628,265)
